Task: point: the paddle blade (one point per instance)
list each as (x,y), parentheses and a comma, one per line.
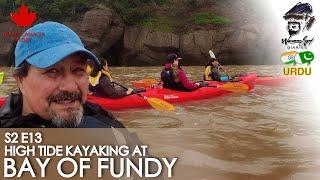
(212,54)
(1,77)
(235,87)
(160,104)
(144,83)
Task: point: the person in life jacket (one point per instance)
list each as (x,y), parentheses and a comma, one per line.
(174,77)
(214,71)
(101,83)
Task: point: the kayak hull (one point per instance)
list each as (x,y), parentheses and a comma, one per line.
(171,96)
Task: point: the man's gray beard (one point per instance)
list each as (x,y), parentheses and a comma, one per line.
(72,121)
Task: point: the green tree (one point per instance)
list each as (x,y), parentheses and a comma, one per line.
(132,11)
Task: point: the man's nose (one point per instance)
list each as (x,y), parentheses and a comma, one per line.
(68,83)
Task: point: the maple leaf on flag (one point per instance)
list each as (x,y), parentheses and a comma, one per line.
(23,18)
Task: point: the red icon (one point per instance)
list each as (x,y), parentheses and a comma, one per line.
(23,18)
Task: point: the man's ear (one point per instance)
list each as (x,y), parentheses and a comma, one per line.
(19,81)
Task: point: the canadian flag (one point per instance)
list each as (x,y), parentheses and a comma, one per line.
(23,18)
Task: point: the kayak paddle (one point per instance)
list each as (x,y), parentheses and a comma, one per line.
(1,77)
(212,54)
(233,87)
(144,83)
(156,103)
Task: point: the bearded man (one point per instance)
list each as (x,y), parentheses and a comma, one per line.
(50,71)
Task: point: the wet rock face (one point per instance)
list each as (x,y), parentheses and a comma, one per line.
(103,32)
(100,30)
(195,46)
(241,45)
(147,47)
(9,34)
(232,45)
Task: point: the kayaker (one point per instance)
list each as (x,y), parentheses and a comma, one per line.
(50,72)
(101,83)
(174,77)
(214,71)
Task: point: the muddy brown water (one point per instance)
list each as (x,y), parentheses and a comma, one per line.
(269,133)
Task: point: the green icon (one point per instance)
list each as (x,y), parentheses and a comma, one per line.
(305,57)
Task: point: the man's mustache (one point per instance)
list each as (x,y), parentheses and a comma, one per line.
(65,96)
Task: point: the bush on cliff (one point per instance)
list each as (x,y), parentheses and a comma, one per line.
(208,18)
(132,11)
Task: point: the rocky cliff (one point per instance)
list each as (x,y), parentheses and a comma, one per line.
(102,31)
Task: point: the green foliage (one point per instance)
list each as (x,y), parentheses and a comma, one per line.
(157,23)
(133,11)
(192,3)
(60,10)
(5,9)
(208,18)
(162,2)
(52,11)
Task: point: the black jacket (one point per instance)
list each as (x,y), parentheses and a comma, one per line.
(94,116)
(106,89)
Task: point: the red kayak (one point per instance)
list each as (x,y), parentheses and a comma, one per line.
(171,96)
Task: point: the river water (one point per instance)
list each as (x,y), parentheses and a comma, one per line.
(269,133)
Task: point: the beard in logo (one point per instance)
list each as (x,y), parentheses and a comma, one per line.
(293,28)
